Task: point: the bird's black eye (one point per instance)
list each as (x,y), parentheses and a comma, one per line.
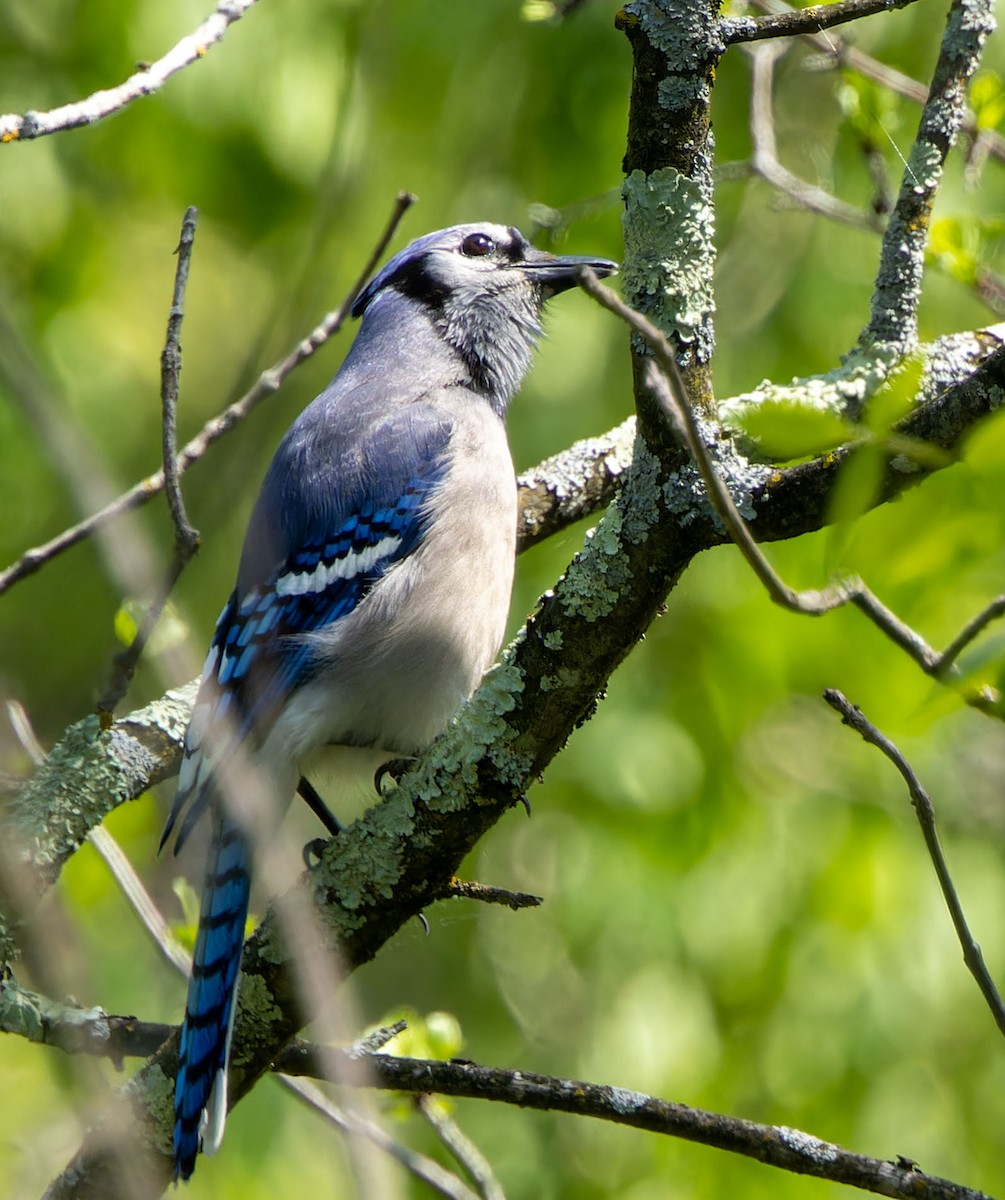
(477,245)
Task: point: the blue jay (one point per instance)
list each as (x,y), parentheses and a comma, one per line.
(373,587)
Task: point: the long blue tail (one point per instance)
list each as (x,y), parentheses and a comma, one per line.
(201,1085)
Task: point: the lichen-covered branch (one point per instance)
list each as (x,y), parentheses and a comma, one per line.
(669,213)
(775,1145)
(898,282)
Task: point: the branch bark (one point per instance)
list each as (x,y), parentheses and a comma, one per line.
(17,128)
(774,1145)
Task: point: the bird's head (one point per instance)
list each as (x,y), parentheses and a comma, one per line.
(483,287)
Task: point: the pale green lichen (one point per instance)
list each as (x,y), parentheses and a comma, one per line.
(640,503)
(480,730)
(565,677)
(843,390)
(669,253)
(553,639)
(258,1012)
(687,34)
(562,475)
(847,389)
(596,577)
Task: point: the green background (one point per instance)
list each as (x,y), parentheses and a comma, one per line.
(739,912)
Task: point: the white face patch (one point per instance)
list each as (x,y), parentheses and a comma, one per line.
(302,583)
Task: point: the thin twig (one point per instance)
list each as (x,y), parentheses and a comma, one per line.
(804,20)
(843,54)
(667,384)
(186,538)
(764,160)
(266,384)
(76,1030)
(467,1154)
(14,127)
(968,633)
(851,715)
(442,1181)
(140,899)
(377,1040)
(20,722)
(777,1146)
(469,889)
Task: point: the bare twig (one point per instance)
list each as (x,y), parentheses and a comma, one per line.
(475,1164)
(266,384)
(777,1146)
(968,633)
(764,160)
(902,258)
(14,127)
(378,1039)
(468,889)
(186,539)
(140,899)
(442,1181)
(667,384)
(804,20)
(852,716)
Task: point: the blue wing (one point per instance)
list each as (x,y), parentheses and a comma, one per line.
(339,532)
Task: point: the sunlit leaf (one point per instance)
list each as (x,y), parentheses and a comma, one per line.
(892,402)
(785,430)
(987,99)
(873,112)
(169,632)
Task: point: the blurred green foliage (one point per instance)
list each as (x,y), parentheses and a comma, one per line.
(739,912)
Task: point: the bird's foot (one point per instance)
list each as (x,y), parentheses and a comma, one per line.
(387,775)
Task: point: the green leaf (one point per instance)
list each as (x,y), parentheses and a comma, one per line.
(186,929)
(433,1035)
(784,429)
(872,111)
(987,99)
(854,493)
(960,246)
(895,399)
(169,632)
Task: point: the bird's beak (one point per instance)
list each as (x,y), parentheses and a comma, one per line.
(556,274)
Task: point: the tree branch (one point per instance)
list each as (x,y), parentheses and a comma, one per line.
(804,20)
(186,539)
(15,128)
(665,380)
(774,1145)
